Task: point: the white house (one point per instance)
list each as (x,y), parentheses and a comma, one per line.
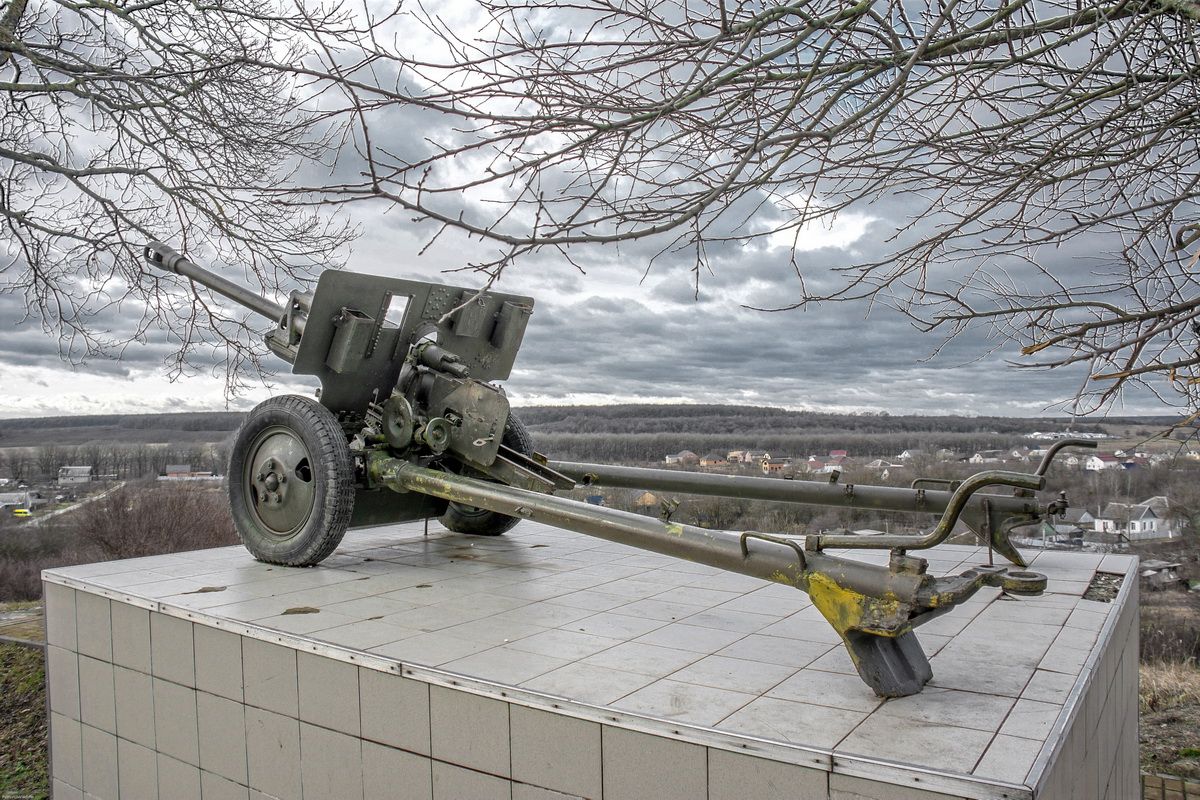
(1134,522)
(1101,462)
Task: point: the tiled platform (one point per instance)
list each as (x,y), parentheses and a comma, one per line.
(545,661)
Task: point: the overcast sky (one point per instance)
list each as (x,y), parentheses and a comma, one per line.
(615,333)
(611,335)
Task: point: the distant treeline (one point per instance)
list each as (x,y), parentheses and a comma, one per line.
(191,427)
(767,420)
(641,433)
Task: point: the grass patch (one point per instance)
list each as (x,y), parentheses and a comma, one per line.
(23,768)
(1166,686)
(1169,701)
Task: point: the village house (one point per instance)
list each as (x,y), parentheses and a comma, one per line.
(682,457)
(774,466)
(1101,462)
(909,455)
(713,460)
(184,472)
(70,475)
(987,457)
(1131,522)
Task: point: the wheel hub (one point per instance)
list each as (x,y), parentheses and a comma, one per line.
(279,477)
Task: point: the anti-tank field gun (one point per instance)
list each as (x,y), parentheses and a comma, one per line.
(411,425)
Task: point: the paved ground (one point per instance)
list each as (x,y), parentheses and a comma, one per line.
(604,624)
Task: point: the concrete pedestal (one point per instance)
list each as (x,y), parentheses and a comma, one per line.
(544,664)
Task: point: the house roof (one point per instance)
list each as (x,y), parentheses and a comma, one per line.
(1159,504)
(1077,515)
(1124,511)
(74,471)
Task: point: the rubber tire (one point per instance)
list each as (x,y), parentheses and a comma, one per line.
(332,472)
(481,522)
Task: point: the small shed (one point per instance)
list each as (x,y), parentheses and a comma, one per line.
(1157,575)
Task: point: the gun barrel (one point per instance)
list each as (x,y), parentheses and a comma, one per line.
(164,257)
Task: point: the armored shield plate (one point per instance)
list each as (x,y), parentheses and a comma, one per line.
(360,328)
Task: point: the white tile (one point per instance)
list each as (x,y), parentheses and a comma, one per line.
(134,706)
(131,637)
(851,787)
(790,721)
(506,665)
(273,753)
(222,736)
(385,768)
(328,693)
(93,622)
(638,766)
(588,683)
(60,615)
(556,752)
(1031,719)
(469,730)
(171,649)
(218,662)
(455,783)
(778,650)
(269,676)
(99,764)
(65,791)
(330,764)
(565,644)
(214,787)
(736,776)
(644,659)
(97,700)
(735,674)
(62,679)
(395,710)
(430,649)
(684,702)
(66,749)
(137,771)
(691,637)
(832,689)
(177,780)
(984,712)
(1008,758)
(911,742)
(175,730)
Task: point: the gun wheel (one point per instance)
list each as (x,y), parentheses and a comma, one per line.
(479,521)
(291,481)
